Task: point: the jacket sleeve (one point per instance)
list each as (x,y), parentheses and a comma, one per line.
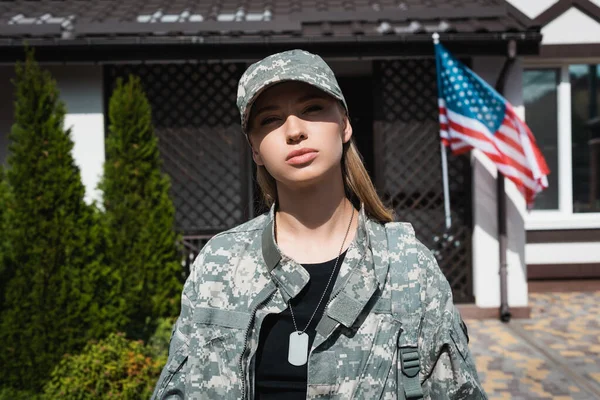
(172,380)
(447,366)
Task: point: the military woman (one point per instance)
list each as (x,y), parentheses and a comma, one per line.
(323,297)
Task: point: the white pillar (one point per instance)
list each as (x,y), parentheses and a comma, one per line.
(81,88)
(565,177)
(486,279)
(486,263)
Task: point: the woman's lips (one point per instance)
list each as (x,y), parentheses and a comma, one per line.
(301,156)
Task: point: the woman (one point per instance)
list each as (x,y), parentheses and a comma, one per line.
(322,297)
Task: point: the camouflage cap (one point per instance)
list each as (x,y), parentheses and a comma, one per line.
(292,65)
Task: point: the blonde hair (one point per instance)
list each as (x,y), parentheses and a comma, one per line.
(357,185)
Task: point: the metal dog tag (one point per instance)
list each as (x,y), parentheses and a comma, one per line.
(298,349)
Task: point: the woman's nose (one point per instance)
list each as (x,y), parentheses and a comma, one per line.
(294,129)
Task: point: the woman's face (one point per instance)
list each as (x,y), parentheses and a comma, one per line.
(297,133)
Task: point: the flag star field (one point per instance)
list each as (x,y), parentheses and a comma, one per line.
(469,95)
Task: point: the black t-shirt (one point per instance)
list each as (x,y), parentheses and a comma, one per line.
(275,377)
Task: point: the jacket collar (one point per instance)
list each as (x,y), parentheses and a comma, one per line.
(287,274)
(364,269)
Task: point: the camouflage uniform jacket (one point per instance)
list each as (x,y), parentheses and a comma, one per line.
(240,276)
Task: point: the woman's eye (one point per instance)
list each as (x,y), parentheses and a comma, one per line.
(267,121)
(313,108)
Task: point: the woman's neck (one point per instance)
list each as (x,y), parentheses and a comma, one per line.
(311,223)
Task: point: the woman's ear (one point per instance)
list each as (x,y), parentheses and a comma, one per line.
(347,131)
(256,156)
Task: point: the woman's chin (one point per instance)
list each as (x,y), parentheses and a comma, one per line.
(305,180)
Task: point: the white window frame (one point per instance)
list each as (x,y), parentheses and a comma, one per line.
(563,217)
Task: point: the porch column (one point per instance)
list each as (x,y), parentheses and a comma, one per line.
(81,88)
(486,278)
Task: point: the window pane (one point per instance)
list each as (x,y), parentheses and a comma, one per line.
(585,95)
(540,98)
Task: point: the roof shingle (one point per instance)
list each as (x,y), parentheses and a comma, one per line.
(70,19)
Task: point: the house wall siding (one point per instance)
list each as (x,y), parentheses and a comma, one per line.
(561,243)
(573,26)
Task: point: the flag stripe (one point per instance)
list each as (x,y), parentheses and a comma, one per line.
(503,147)
(516,172)
(487,146)
(476,129)
(509,167)
(534,155)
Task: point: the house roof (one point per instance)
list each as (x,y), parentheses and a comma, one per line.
(568,50)
(102,22)
(558,8)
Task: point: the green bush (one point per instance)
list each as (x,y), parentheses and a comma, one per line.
(49,305)
(113,368)
(158,345)
(5,247)
(139,217)
(14,394)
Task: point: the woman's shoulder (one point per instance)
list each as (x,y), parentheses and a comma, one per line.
(402,239)
(240,233)
(234,238)
(403,244)
(256,224)
(230,244)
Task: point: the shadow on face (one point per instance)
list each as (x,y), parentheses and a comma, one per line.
(272,107)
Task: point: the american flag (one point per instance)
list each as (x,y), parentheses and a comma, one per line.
(474,115)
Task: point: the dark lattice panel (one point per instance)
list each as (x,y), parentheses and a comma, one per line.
(409,174)
(203,150)
(191,246)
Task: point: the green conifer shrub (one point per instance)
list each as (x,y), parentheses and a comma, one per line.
(5,247)
(15,394)
(50,304)
(139,216)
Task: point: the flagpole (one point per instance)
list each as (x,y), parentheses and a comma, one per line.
(505,313)
(448,218)
(445,182)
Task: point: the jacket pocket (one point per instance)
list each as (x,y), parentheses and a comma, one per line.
(216,346)
(178,359)
(171,382)
(367,358)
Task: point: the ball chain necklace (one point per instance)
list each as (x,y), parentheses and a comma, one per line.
(298,344)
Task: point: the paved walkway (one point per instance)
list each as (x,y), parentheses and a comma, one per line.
(553,355)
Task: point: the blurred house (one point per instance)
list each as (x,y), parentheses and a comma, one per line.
(561,97)
(190,56)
